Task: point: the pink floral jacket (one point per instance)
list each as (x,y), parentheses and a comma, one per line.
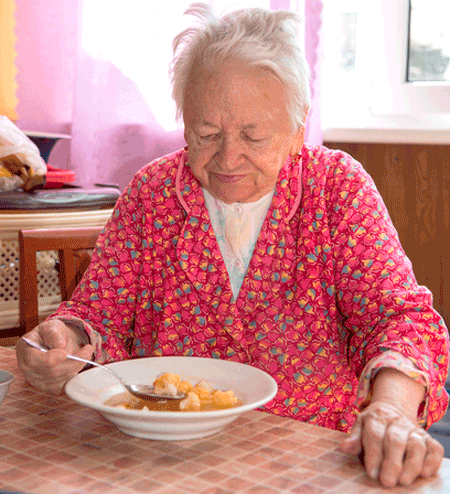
(328,289)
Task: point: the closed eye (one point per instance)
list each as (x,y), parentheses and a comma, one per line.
(210,136)
(254,140)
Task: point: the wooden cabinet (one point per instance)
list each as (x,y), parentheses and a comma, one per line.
(414,180)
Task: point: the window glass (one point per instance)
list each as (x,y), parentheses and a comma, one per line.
(367,72)
(339,28)
(341,67)
(429,41)
(137,41)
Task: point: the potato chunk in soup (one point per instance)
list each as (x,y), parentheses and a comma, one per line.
(199,397)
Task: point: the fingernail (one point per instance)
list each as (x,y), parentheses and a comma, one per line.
(374,473)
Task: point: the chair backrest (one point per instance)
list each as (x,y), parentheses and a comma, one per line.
(68,242)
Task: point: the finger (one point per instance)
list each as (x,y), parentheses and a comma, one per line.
(54,334)
(74,348)
(48,383)
(87,352)
(73,367)
(433,458)
(31,360)
(40,375)
(54,358)
(415,454)
(394,447)
(352,444)
(28,356)
(373,434)
(49,371)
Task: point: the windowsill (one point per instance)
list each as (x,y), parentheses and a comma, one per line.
(427,129)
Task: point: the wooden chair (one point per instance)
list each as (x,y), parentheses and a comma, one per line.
(69,242)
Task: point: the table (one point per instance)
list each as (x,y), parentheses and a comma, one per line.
(51,445)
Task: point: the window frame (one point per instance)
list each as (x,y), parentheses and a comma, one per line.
(396,110)
(394,95)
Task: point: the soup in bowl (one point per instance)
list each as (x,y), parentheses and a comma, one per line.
(100,391)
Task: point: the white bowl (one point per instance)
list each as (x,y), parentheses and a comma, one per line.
(94,387)
(5,380)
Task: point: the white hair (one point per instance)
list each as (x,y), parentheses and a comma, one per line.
(257,37)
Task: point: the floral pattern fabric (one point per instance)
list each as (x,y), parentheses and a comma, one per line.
(328,290)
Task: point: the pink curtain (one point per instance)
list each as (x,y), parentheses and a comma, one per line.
(313,22)
(114,129)
(46,44)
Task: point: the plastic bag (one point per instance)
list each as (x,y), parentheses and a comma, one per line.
(21,165)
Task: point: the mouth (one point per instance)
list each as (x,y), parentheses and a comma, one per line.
(228,179)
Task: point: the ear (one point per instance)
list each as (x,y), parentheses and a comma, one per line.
(297,141)
(299,138)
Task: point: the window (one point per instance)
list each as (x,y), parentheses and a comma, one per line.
(137,41)
(429,41)
(366,62)
(339,57)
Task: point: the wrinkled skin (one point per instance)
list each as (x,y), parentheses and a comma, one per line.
(395,450)
(238,131)
(51,370)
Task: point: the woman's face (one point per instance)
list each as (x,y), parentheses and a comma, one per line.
(238,132)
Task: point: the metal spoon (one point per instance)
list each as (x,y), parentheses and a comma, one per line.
(142,391)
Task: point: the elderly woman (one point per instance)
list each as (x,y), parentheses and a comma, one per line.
(252,246)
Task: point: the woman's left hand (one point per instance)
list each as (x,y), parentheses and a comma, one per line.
(396,451)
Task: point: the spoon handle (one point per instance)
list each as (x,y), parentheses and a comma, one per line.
(44,348)
(141,391)
(107,369)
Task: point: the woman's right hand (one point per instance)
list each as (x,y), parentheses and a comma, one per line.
(50,371)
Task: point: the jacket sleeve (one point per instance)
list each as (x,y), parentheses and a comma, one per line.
(382,307)
(104,303)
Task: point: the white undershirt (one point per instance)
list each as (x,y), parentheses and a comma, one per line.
(237,228)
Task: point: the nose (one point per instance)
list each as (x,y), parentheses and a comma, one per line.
(229,154)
